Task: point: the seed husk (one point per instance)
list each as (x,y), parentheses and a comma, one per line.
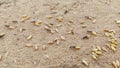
(59,19)
(77,47)
(38,23)
(72,47)
(114,64)
(86,37)
(104,49)
(10,27)
(94,57)
(112,31)
(29,37)
(58,25)
(62,38)
(52,31)
(85,62)
(71,21)
(2,34)
(113,41)
(22,29)
(15,21)
(106,30)
(118,63)
(98,47)
(57,42)
(117,21)
(98,52)
(1,57)
(84,26)
(29,45)
(51,42)
(49,17)
(113,45)
(107,34)
(25,18)
(71,31)
(56,30)
(94,33)
(113,48)
(48,28)
(36,48)
(44,47)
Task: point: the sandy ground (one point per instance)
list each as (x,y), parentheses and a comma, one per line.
(15,54)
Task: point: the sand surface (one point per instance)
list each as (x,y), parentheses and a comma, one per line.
(17,18)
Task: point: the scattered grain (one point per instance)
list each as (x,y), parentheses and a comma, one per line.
(29,37)
(25,18)
(60,19)
(38,23)
(117,21)
(71,31)
(36,48)
(21,29)
(44,47)
(2,34)
(29,45)
(49,17)
(1,57)
(104,49)
(58,25)
(113,48)
(10,27)
(71,21)
(94,57)
(84,26)
(62,38)
(116,64)
(85,62)
(75,47)
(86,37)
